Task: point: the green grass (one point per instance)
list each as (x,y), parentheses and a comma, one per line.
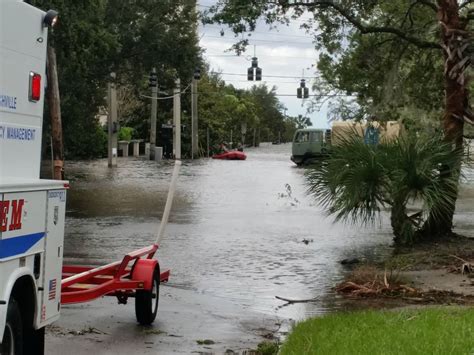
(444,330)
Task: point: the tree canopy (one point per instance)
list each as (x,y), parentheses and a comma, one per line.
(398,57)
(388,53)
(94,38)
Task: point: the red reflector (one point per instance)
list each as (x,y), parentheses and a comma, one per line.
(66,186)
(35,86)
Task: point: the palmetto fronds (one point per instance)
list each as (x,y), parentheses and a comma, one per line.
(358,180)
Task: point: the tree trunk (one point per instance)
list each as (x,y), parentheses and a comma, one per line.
(453,40)
(401,225)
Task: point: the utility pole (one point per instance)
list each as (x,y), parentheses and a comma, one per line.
(54,102)
(154,110)
(194,119)
(177,120)
(207,134)
(112,122)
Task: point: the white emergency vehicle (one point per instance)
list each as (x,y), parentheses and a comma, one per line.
(31,210)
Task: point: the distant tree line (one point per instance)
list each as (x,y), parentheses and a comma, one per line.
(94,38)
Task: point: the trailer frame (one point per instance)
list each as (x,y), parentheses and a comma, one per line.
(121,279)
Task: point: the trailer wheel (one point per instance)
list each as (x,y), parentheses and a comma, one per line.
(146,301)
(12,343)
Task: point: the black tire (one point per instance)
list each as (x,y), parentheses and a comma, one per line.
(146,302)
(34,341)
(12,343)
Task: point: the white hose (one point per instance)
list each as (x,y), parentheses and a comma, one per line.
(169,202)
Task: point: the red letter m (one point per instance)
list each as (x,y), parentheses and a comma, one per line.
(15,218)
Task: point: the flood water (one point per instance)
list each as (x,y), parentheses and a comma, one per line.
(235,231)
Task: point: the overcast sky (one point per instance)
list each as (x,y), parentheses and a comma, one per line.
(282,53)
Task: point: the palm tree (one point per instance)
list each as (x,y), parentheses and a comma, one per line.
(360,180)
(302,121)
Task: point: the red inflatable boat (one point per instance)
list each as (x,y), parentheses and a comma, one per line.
(230,155)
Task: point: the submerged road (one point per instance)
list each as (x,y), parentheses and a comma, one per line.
(234,242)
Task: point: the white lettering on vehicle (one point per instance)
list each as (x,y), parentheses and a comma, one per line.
(15,133)
(8,101)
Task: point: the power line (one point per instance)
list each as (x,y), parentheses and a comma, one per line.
(290,44)
(167,97)
(271,76)
(269,33)
(279,95)
(260,55)
(266,81)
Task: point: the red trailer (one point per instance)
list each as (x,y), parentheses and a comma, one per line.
(137,275)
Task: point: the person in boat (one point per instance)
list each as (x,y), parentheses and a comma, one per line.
(223,148)
(240,147)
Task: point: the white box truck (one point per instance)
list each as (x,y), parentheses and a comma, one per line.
(31,210)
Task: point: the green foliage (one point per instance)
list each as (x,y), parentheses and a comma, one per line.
(421,331)
(223,108)
(83,46)
(125,133)
(359,180)
(89,141)
(395,63)
(96,37)
(301,121)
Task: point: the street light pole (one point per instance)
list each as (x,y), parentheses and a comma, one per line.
(177,120)
(154,111)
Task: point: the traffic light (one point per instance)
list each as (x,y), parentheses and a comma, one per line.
(153,80)
(250,74)
(254,72)
(302,92)
(197,74)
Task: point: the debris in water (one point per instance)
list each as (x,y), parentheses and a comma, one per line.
(205,342)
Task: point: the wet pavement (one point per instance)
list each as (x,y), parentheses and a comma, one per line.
(235,241)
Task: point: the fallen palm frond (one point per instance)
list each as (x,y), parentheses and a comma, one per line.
(375,288)
(369,282)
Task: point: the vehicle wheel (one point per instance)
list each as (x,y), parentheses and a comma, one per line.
(146,302)
(34,341)
(12,343)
